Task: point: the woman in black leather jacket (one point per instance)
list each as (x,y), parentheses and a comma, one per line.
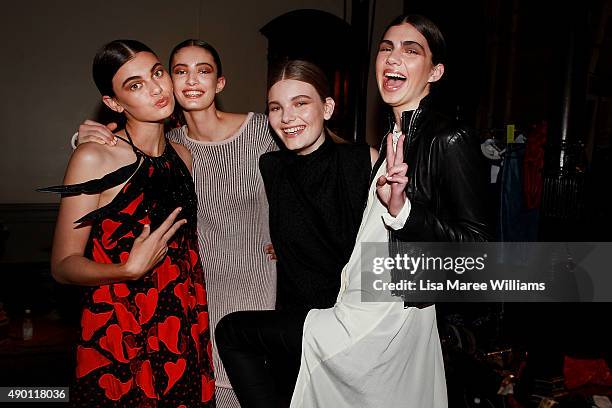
(445,199)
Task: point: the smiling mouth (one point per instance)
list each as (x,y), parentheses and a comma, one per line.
(293,131)
(393,80)
(193,94)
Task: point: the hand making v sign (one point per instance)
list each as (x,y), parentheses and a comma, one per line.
(390,187)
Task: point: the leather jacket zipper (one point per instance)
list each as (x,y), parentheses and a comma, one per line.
(411,129)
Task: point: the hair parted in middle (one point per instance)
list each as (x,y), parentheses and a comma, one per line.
(304,71)
(429,30)
(110,58)
(192,42)
(310,73)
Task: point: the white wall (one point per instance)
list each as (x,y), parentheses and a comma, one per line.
(47,48)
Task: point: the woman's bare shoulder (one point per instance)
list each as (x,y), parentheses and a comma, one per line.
(94,160)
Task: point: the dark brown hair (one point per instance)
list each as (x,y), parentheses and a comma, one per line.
(429,30)
(202,44)
(110,58)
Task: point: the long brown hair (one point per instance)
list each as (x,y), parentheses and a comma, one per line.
(309,73)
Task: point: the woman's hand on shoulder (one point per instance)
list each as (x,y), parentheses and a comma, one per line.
(183,153)
(92,131)
(270,252)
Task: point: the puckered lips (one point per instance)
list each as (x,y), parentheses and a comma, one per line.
(192,93)
(162,102)
(393,80)
(293,131)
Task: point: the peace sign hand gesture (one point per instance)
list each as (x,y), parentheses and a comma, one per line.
(150,248)
(390,187)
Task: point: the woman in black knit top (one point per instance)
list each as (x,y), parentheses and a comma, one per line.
(317,189)
(316,201)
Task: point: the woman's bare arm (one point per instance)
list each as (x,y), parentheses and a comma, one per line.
(68,263)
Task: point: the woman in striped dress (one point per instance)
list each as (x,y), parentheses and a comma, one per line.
(233,226)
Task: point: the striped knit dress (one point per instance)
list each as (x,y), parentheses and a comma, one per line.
(232,227)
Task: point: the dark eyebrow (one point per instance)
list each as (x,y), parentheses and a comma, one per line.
(386,42)
(300,96)
(153,69)
(156,67)
(130,79)
(199,64)
(293,99)
(408,43)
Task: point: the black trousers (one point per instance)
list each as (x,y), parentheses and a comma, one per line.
(261,354)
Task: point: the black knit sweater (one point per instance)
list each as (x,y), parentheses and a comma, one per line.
(316,205)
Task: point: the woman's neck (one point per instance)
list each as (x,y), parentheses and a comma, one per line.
(206,125)
(397,113)
(313,147)
(408,106)
(147,136)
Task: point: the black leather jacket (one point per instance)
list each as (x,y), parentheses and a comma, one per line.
(447,174)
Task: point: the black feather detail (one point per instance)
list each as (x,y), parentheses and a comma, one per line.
(110,180)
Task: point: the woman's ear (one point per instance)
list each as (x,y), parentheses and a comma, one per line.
(436,73)
(112,104)
(220,84)
(328,108)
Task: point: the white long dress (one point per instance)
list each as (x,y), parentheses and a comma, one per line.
(366,354)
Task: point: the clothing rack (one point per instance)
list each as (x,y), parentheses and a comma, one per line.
(499,135)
